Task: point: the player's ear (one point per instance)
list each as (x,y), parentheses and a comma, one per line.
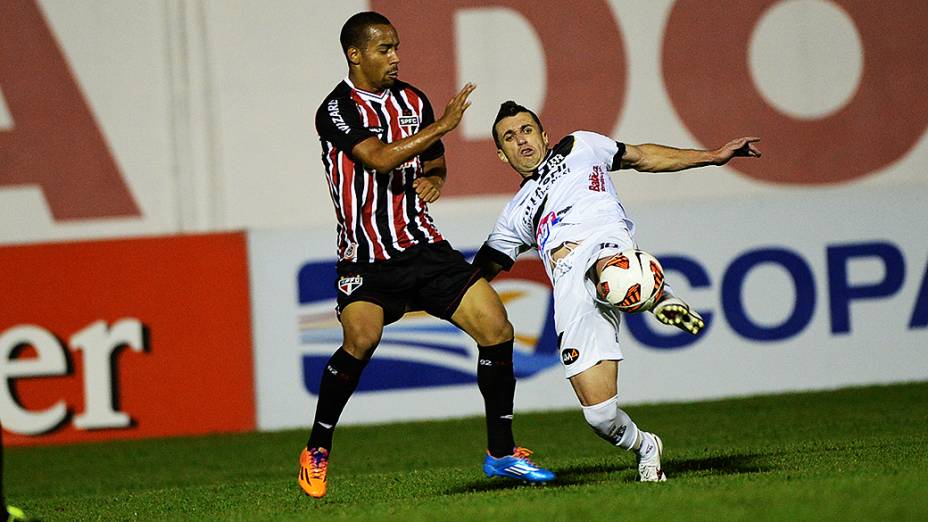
(354,55)
(502,157)
(544,138)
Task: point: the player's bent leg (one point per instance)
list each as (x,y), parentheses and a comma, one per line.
(597,390)
(673,311)
(362,327)
(482,316)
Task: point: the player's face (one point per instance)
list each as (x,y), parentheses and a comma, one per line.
(522,144)
(380,60)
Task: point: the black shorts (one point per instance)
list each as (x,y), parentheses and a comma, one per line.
(432,277)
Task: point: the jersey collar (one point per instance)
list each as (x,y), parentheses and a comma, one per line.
(382,95)
(535,174)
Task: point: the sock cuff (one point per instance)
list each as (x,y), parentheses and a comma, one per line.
(497,352)
(345,362)
(608,403)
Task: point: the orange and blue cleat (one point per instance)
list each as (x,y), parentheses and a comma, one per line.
(517,466)
(313,465)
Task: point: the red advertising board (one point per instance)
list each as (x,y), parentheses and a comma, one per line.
(124,339)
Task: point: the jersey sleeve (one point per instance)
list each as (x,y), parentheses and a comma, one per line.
(437,149)
(503,246)
(605,149)
(338,122)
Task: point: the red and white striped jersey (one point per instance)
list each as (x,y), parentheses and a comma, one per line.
(379,214)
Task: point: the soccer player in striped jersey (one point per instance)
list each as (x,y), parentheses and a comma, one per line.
(569,211)
(384,161)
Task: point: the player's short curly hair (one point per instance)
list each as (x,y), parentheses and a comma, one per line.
(511,108)
(354,32)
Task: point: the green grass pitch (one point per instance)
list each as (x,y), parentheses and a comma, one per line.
(852,454)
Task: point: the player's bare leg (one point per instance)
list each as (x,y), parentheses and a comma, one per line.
(597,390)
(362,327)
(482,316)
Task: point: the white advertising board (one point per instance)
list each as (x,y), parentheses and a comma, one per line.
(806,292)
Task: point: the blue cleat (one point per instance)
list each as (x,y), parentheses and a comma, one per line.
(517,466)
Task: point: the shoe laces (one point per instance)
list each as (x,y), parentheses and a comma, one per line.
(523,453)
(318,463)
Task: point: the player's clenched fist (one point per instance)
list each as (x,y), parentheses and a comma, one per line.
(428,188)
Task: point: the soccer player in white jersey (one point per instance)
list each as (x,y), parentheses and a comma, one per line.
(569,211)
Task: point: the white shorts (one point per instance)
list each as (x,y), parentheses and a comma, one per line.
(588,328)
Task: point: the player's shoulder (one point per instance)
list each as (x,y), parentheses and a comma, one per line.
(342,91)
(597,144)
(587,137)
(335,100)
(565,146)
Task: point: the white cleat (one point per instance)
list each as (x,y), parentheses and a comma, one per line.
(675,312)
(649,458)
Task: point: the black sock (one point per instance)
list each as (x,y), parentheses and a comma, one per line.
(339,380)
(497,383)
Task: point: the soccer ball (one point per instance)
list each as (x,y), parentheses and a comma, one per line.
(632,281)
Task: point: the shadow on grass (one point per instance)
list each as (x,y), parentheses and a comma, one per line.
(719,465)
(566,476)
(578,475)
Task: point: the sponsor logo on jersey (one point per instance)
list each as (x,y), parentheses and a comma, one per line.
(336,116)
(347,285)
(569,356)
(597,179)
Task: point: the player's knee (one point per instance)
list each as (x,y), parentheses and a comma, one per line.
(496,330)
(361,342)
(601,418)
(611,423)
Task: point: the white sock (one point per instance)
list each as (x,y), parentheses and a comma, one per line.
(611,423)
(647,445)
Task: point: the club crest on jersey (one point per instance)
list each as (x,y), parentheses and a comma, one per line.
(569,356)
(347,285)
(408,121)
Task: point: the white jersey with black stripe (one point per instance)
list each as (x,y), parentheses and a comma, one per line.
(570,198)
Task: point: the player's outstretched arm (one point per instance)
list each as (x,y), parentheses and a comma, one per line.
(384,157)
(650,157)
